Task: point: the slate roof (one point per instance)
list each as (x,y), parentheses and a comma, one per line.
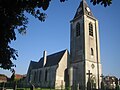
(52,60)
(33,65)
(83,5)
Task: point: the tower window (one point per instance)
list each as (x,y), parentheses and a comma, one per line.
(78,29)
(92,52)
(90,29)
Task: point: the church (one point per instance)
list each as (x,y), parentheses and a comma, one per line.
(76,67)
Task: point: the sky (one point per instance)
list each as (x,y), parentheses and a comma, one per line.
(53,35)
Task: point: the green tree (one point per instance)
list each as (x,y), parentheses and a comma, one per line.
(12,17)
(102,2)
(12,78)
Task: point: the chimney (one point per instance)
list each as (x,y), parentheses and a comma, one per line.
(44,58)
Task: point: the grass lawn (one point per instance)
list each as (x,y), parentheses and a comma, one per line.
(34,89)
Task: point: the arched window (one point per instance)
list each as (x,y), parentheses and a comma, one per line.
(40,75)
(77,29)
(92,52)
(34,76)
(46,75)
(29,76)
(90,29)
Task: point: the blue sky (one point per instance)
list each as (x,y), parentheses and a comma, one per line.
(53,35)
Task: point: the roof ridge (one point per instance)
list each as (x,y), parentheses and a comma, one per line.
(57,52)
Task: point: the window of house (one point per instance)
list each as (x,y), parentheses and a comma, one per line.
(90,29)
(92,53)
(34,76)
(29,76)
(46,75)
(78,29)
(39,76)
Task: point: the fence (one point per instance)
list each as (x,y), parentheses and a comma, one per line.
(12,85)
(49,85)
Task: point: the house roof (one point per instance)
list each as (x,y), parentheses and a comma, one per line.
(19,76)
(52,60)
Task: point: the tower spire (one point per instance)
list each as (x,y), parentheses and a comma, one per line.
(83,9)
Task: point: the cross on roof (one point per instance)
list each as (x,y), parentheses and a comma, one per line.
(89,73)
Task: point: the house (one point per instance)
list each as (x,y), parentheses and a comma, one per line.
(3,78)
(19,76)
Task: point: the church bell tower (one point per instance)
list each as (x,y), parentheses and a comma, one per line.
(85,48)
